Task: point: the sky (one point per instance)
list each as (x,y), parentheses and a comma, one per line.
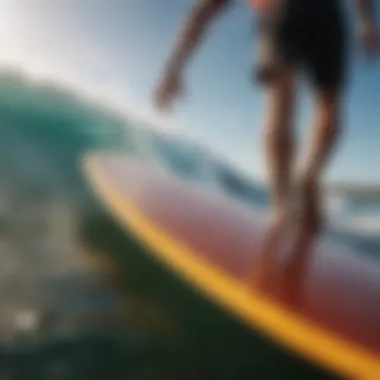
(116,50)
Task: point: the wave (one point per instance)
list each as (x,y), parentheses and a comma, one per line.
(367,225)
(64,121)
(360,217)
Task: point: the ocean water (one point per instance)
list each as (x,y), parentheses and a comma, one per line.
(67,311)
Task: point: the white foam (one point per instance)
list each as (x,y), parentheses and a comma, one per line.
(366,225)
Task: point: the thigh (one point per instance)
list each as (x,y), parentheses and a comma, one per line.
(278,44)
(326,54)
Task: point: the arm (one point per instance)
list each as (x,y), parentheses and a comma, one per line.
(200,16)
(366,11)
(170,85)
(368,32)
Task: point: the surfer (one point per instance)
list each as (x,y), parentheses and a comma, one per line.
(293,36)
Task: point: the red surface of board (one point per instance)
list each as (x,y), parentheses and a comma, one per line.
(340,288)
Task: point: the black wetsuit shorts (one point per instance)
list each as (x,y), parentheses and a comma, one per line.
(310,35)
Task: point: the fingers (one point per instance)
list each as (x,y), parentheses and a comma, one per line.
(162,99)
(371,44)
(168,91)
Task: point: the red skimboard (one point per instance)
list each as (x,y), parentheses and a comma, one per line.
(210,241)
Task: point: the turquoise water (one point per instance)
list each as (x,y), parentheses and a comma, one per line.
(68,312)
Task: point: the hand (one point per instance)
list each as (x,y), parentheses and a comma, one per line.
(168,90)
(370,38)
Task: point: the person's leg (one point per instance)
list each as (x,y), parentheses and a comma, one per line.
(278,136)
(278,59)
(324,136)
(308,225)
(278,146)
(326,64)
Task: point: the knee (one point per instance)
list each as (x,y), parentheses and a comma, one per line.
(276,131)
(329,109)
(313,220)
(309,192)
(280,98)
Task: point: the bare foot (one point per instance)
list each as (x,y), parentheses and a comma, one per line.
(277,228)
(293,280)
(308,227)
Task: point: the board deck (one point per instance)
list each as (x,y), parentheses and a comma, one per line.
(210,241)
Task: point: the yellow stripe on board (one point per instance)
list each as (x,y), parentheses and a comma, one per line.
(306,338)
